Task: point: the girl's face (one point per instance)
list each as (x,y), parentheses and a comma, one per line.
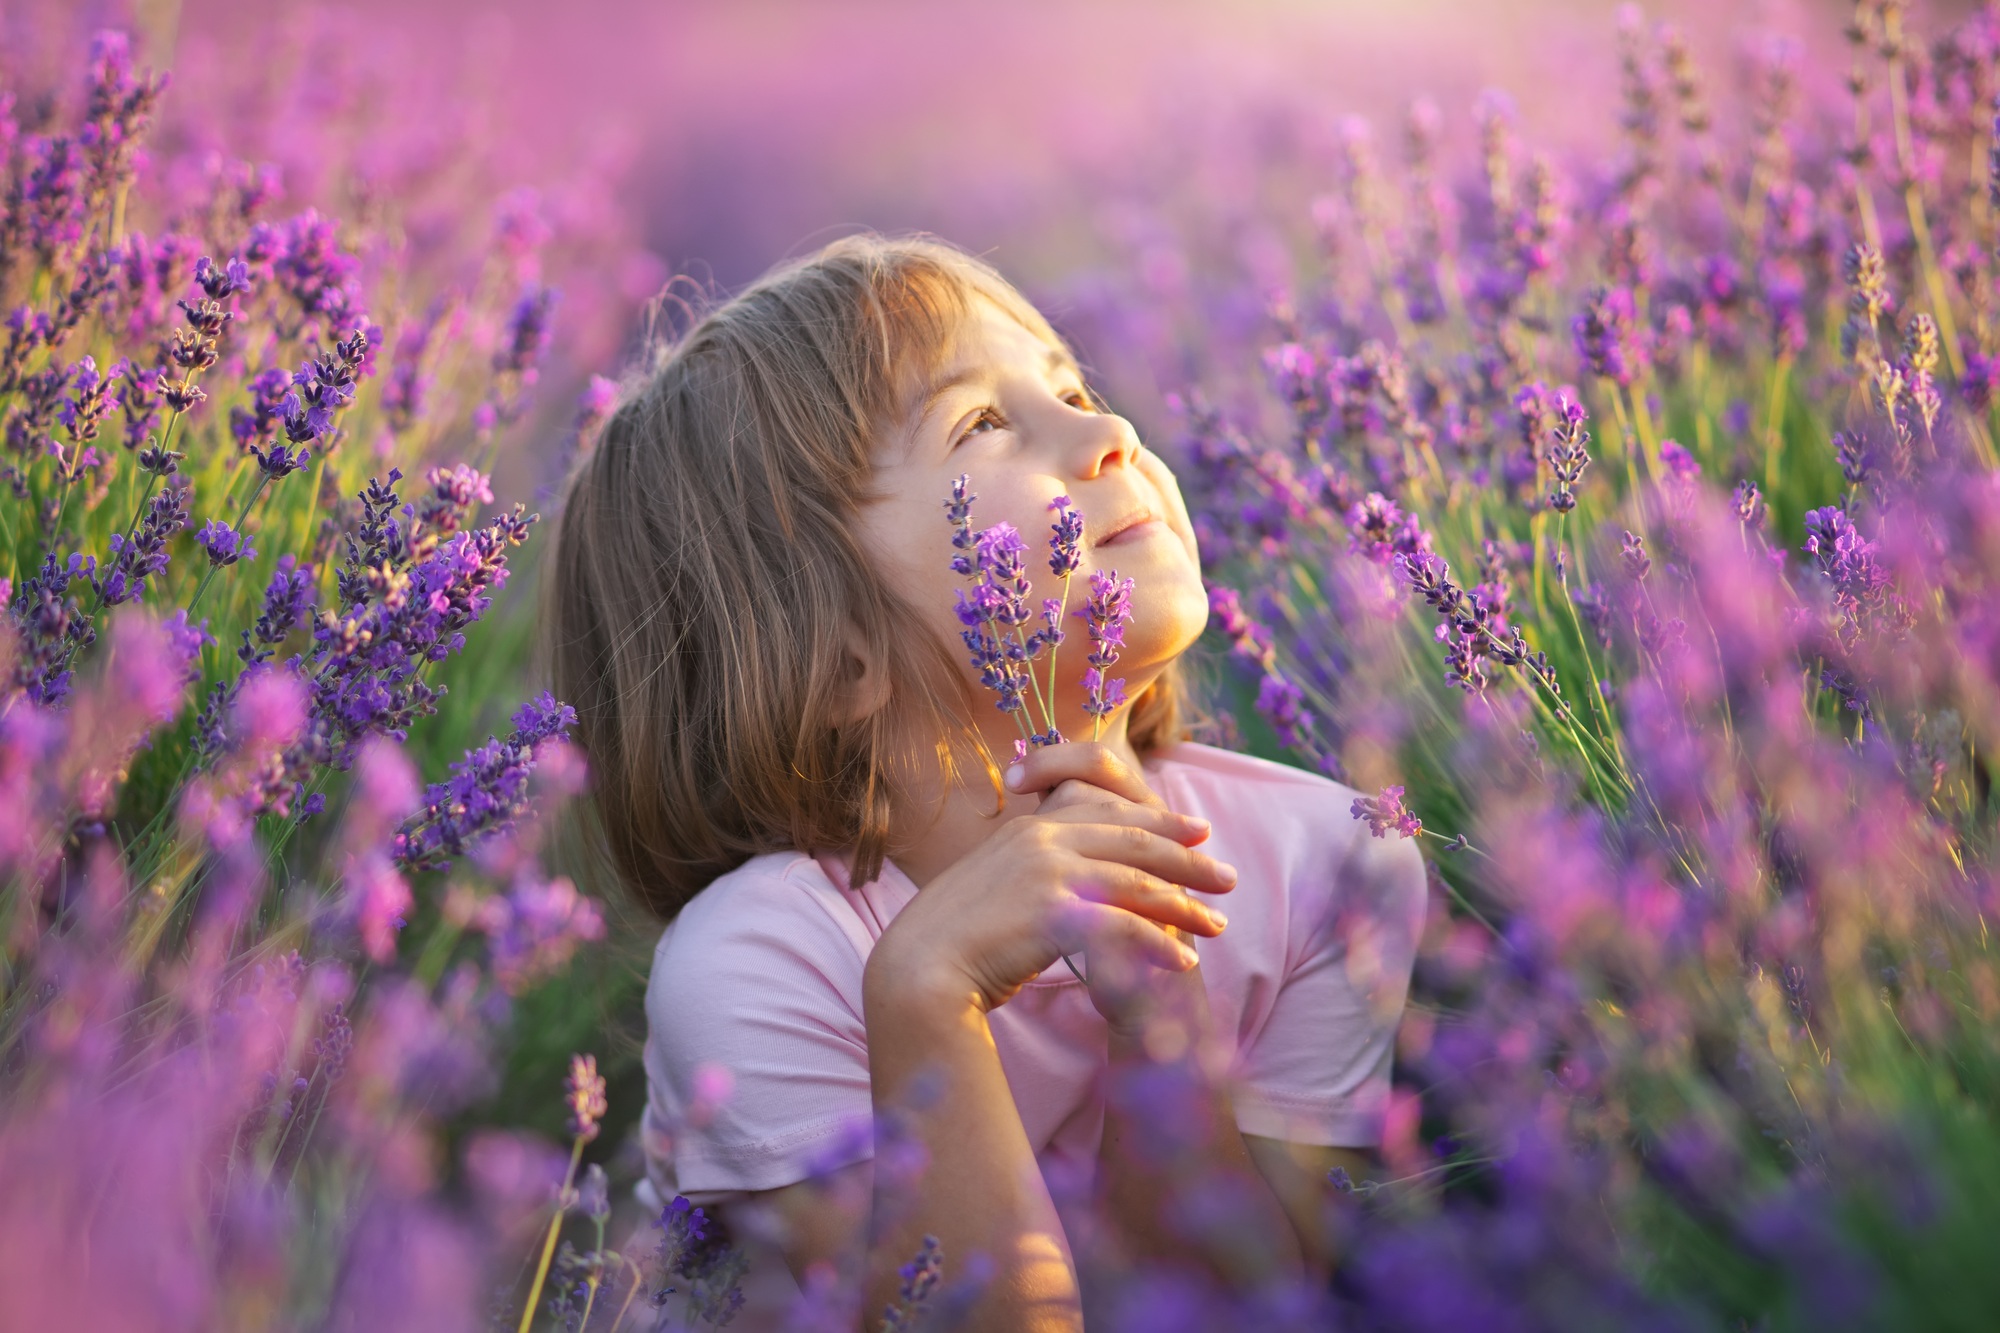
(1011,411)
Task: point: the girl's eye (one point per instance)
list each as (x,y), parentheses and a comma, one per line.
(987,417)
(1081,400)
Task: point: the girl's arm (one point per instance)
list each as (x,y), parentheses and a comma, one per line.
(935,1069)
(1106,877)
(1255,1236)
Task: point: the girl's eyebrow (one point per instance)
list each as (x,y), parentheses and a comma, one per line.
(1058,359)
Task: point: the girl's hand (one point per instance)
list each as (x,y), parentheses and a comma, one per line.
(1128,991)
(1101,865)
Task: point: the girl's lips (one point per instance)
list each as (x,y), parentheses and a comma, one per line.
(1137,532)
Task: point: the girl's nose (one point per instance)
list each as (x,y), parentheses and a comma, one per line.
(1102,440)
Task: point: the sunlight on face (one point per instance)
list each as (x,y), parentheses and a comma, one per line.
(1011,411)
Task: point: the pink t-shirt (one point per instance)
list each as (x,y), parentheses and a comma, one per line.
(757,1052)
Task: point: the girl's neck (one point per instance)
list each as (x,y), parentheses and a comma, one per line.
(937,831)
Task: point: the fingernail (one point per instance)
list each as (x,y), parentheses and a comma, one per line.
(1015,775)
(1189,956)
(1225,872)
(1218,918)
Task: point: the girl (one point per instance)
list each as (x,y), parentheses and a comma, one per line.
(861,1031)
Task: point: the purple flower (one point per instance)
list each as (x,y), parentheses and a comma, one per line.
(379,899)
(1387,813)
(321,388)
(1066,539)
(583,1094)
(270,401)
(1569,455)
(91,396)
(287,605)
(1607,337)
(139,557)
(225,545)
(1637,563)
(527,334)
(534,928)
(219,283)
(487,791)
(919,1281)
(280,461)
(308,266)
(1679,463)
(1282,703)
(1106,613)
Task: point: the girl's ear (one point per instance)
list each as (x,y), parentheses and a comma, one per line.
(864,679)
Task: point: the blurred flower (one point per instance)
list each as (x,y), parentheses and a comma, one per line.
(1387,812)
(585,1097)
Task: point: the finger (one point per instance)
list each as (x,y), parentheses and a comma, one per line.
(1147,896)
(1104,931)
(1143,849)
(1186,830)
(1084,761)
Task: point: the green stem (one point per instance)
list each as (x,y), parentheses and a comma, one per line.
(549,1242)
(596,1276)
(1774,420)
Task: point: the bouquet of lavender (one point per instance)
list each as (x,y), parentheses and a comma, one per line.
(995,609)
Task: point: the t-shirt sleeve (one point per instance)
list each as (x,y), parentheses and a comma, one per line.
(1318,1071)
(756,1052)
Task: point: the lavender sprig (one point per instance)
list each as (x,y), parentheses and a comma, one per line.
(1107,613)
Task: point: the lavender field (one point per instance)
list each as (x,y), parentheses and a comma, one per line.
(1590,417)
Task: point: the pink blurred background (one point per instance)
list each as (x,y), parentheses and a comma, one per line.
(749,130)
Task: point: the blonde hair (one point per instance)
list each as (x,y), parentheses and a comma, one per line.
(705,578)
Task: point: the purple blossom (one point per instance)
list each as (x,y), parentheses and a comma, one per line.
(534,928)
(1607,336)
(1106,613)
(143,555)
(1569,455)
(220,282)
(225,545)
(91,396)
(487,790)
(287,604)
(1386,813)
(1066,539)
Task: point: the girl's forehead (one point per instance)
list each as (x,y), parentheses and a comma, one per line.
(986,335)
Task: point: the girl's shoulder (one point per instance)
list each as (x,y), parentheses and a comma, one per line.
(1283,826)
(1210,779)
(776,903)
(1305,819)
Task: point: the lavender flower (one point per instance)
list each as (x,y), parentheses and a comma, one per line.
(143,555)
(225,545)
(995,610)
(487,792)
(584,1096)
(1107,613)
(1606,337)
(919,1281)
(1568,456)
(533,929)
(1066,538)
(1386,813)
(1637,563)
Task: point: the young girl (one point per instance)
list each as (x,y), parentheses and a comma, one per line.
(868,897)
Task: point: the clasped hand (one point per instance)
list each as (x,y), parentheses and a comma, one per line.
(1101,866)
